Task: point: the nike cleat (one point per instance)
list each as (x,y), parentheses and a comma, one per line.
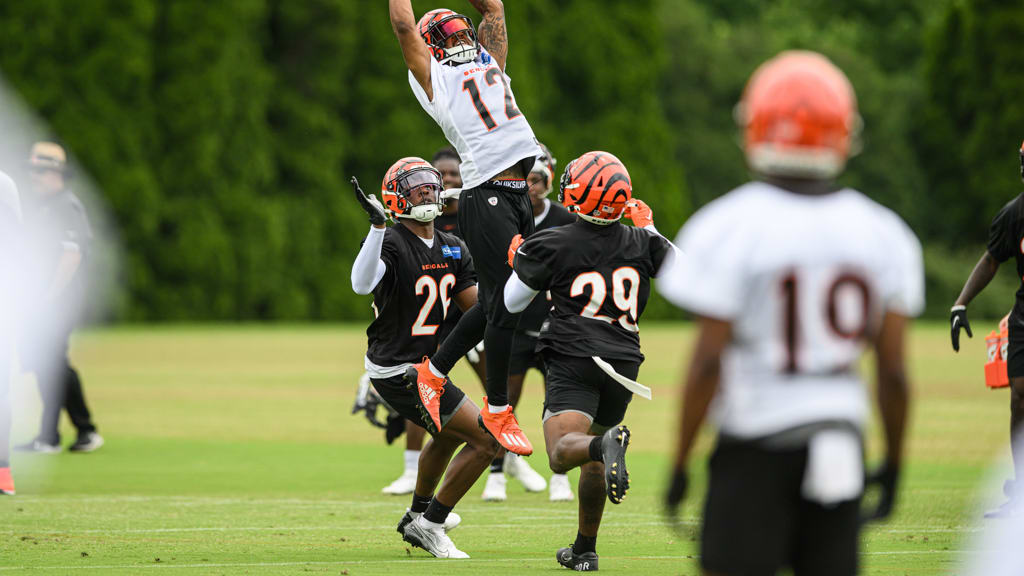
(613,454)
(518,468)
(433,540)
(494,490)
(6,482)
(504,427)
(405,484)
(585,562)
(450,523)
(429,387)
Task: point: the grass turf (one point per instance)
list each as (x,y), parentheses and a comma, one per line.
(230,450)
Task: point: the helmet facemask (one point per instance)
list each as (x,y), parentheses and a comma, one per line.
(404,186)
(466,47)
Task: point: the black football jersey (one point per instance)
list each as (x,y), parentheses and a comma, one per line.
(1006,240)
(415,295)
(533,317)
(448,223)
(599,278)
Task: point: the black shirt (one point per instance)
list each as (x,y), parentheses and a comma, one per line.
(600,280)
(1006,239)
(53,224)
(413,298)
(533,317)
(448,223)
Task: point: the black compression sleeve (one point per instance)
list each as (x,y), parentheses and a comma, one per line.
(467,334)
(498,344)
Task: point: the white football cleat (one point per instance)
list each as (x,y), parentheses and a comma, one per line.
(560,489)
(433,540)
(517,467)
(494,491)
(405,484)
(450,523)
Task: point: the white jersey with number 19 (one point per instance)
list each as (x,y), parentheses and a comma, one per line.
(804,282)
(474,106)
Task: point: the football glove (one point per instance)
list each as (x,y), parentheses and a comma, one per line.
(886,477)
(677,486)
(368,401)
(639,212)
(372,206)
(395,427)
(517,241)
(957,320)
(450,194)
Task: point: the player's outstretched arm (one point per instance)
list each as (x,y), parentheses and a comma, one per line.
(982,274)
(414,50)
(492,32)
(368,268)
(701,383)
(893,402)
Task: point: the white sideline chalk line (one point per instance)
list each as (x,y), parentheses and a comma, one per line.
(402,561)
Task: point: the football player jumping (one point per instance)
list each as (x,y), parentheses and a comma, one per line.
(460,82)
(791,277)
(598,273)
(415,274)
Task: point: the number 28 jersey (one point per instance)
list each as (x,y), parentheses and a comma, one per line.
(413,298)
(804,282)
(599,278)
(474,106)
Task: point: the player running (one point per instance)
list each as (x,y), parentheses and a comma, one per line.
(1005,241)
(790,277)
(415,274)
(461,83)
(10,256)
(598,273)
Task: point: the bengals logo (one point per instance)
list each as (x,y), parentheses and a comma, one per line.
(597,186)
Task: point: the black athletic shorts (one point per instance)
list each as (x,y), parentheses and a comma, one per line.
(756,522)
(489,216)
(524,353)
(406,401)
(577,384)
(1015,346)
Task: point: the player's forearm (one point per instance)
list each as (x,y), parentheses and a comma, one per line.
(402,20)
(701,383)
(982,274)
(486,7)
(492,32)
(68,265)
(893,386)
(517,294)
(368,268)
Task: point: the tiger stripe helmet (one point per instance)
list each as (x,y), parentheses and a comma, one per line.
(437,26)
(799,117)
(401,179)
(597,187)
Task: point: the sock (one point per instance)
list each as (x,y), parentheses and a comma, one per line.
(466,335)
(498,343)
(498,465)
(420,503)
(436,512)
(433,370)
(595,449)
(584,544)
(412,460)
(496,409)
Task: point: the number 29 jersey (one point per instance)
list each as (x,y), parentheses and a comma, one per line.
(600,280)
(474,106)
(804,282)
(413,298)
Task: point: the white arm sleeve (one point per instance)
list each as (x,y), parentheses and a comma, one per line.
(518,295)
(368,268)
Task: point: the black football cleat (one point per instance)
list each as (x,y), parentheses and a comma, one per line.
(613,454)
(585,562)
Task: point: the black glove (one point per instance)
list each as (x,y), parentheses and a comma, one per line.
(957,320)
(887,478)
(395,427)
(378,216)
(677,486)
(367,402)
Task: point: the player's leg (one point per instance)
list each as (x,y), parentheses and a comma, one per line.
(74,402)
(1015,370)
(404,484)
(508,464)
(6,479)
(828,539)
(559,489)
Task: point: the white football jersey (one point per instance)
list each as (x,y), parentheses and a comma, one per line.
(474,106)
(801,279)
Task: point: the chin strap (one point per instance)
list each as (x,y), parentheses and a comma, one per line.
(422,213)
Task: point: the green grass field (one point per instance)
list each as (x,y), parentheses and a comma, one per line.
(232,451)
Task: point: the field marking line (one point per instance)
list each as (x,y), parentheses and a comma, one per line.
(396,561)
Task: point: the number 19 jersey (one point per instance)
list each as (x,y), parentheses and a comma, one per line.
(474,106)
(804,282)
(414,297)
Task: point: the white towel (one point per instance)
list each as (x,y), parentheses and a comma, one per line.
(835,467)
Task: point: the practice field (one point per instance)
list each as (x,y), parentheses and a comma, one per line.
(232,451)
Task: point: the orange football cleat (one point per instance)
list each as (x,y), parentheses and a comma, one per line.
(505,429)
(6,482)
(429,387)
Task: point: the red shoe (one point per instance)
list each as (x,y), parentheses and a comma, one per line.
(505,429)
(429,387)
(6,482)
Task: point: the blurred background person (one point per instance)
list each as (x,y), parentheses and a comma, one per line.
(58,229)
(10,228)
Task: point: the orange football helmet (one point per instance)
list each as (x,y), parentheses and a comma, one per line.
(597,187)
(799,117)
(405,176)
(438,26)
